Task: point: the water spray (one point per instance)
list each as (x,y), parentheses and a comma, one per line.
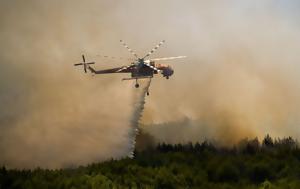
(138,103)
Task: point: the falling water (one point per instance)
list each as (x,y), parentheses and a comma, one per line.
(138,103)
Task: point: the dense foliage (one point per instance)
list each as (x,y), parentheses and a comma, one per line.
(250,164)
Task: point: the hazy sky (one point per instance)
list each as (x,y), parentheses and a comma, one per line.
(241,77)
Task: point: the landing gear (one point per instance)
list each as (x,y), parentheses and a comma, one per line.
(148,87)
(167,77)
(136,84)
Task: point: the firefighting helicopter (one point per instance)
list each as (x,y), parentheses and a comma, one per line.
(140,68)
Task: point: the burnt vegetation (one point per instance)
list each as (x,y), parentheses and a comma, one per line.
(271,163)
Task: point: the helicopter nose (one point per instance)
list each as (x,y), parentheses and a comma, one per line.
(168,72)
(171,71)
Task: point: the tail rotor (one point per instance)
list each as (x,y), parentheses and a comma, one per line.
(85,64)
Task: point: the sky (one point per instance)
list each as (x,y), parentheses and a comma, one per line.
(240,78)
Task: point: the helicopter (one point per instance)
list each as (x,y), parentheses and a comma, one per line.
(140,68)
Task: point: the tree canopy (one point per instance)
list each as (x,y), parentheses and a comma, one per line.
(273,163)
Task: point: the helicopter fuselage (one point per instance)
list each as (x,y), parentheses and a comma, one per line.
(142,70)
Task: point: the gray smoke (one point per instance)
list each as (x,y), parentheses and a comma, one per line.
(241,77)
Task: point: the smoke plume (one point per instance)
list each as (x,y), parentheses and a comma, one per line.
(241,77)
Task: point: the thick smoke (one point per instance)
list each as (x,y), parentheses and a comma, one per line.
(241,77)
(52,114)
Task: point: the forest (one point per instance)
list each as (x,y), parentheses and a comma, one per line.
(270,163)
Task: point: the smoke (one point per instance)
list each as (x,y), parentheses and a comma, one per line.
(52,115)
(241,77)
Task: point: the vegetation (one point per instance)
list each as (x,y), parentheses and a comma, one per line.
(270,164)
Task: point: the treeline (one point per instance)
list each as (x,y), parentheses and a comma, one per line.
(244,146)
(271,163)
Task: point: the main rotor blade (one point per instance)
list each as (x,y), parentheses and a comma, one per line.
(83,58)
(115,58)
(152,67)
(155,48)
(168,58)
(129,49)
(125,67)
